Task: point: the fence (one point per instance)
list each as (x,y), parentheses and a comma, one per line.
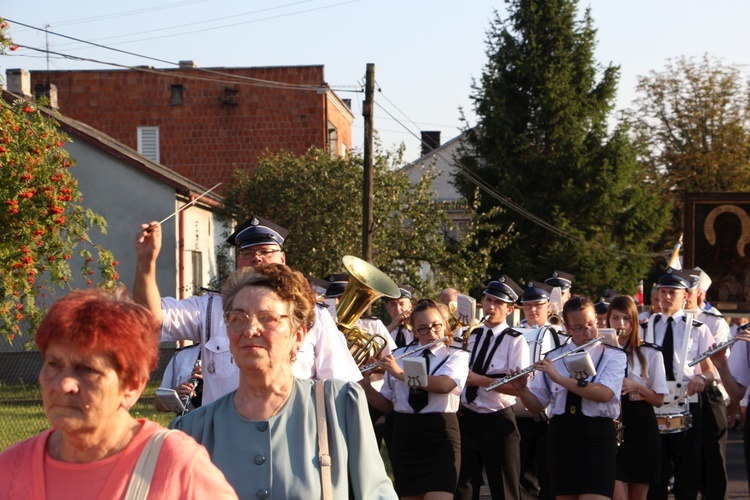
(21,411)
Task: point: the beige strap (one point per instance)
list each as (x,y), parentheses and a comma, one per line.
(140,481)
(324,457)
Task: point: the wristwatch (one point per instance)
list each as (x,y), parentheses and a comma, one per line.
(583,382)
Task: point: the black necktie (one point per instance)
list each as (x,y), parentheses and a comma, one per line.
(667,350)
(418,397)
(400,338)
(478,366)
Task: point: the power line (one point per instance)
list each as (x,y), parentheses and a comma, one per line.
(194,31)
(206,21)
(477,181)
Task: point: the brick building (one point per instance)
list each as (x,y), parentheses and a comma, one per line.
(204,123)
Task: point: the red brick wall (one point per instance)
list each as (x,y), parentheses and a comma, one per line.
(202,139)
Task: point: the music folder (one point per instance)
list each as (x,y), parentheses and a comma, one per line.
(415,372)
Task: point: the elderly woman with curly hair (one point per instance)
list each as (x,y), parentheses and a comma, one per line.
(264,435)
(97,351)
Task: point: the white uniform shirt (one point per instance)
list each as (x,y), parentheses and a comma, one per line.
(188,319)
(456,367)
(408,334)
(716,324)
(512,352)
(656,376)
(739,362)
(699,340)
(610,370)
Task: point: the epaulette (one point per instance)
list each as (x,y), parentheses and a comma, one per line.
(695,321)
(511,332)
(545,354)
(709,312)
(617,347)
(413,342)
(652,346)
(644,325)
(322,305)
(455,346)
(370,317)
(210,290)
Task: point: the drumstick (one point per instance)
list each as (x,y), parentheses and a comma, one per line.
(183,207)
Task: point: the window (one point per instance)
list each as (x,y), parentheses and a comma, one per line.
(148,142)
(333,140)
(197,271)
(176,98)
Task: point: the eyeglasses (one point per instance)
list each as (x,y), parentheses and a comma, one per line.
(434,328)
(240,321)
(581,328)
(258,253)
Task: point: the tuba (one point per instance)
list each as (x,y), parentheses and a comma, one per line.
(366,284)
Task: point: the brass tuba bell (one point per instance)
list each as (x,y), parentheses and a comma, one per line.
(366,284)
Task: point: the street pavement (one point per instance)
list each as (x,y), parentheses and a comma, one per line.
(738,487)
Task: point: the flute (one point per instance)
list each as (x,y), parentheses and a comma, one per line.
(421,348)
(529,369)
(712,351)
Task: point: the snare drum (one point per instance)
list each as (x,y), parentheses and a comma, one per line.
(672,423)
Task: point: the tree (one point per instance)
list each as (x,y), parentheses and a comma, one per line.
(693,118)
(317,197)
(542,142)
(42,221)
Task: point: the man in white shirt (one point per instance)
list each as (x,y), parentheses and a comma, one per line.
(489,437)
(680,343)
(324,353)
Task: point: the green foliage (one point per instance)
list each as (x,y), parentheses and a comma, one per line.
(318,197)
(693,118)
(542,141)
(42,221)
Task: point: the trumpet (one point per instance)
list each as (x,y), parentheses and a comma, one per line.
(416,350)
(712,351)
(529,369)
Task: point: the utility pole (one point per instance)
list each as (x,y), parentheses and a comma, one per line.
(368,196)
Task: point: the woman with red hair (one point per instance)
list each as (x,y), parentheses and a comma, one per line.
(97,352)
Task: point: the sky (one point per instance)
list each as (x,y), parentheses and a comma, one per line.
(426,53)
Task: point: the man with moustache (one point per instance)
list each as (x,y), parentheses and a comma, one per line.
(324,353)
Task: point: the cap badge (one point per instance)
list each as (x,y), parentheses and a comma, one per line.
(254,221)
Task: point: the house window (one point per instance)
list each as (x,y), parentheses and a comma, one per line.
(197,271)
(333,140)
(148,142)
(176,99)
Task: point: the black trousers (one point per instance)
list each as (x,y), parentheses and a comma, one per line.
(681,455)
(714,440)
(534,475)
(490,442)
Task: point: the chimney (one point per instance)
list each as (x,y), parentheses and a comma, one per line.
(430,141)
(19,82)
(47,90)
(188,65)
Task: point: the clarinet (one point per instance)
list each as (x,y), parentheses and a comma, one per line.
(194,382)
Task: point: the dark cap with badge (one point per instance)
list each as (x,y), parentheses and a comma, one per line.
(504,289)
(560,280)
(601,306)
(337,285)
(536,291)
(257,231)
(405,292)
(676,278)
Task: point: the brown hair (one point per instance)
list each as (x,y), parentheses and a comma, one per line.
(626,304)
(427,304)
(291,286)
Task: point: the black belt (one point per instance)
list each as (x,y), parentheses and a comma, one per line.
(493,414)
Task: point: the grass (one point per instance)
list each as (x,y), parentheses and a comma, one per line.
(22,415)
